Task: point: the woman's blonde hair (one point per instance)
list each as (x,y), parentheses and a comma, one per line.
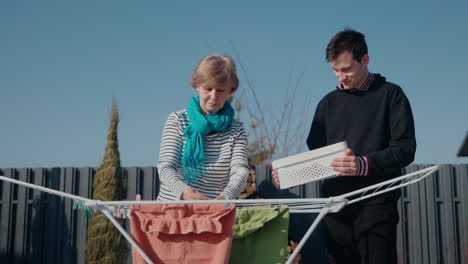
(215,70)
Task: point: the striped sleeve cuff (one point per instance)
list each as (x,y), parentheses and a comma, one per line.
(363,165)
(179,188)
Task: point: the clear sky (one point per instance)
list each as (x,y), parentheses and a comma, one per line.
(61,62)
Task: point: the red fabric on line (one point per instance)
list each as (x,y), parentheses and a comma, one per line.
(183,233)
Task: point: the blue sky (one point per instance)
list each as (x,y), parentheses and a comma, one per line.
(61,62)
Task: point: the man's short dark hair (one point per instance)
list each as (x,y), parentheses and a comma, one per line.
(347,40)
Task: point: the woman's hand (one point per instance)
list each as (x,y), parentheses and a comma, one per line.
(276,182)
(192,194)
(220,197)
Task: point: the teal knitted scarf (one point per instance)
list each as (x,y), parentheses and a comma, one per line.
(201,125)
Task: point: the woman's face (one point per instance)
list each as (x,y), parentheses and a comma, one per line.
(212,97)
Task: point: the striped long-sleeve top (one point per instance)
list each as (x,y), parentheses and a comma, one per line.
(226,166)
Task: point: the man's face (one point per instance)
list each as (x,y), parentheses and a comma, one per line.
(350,73)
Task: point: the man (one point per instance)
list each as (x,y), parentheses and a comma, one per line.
(374,117)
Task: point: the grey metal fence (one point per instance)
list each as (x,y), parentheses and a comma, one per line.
(434,223)
(36,227)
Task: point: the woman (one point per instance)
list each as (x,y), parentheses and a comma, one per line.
(203,152)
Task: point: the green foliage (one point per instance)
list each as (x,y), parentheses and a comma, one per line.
(259,151)
(105,243)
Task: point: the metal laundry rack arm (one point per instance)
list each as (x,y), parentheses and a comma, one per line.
(85,201)
(366,193)
(389,185)
(308,205)
(302,205)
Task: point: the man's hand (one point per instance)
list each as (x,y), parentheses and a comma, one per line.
(192,194)
(347,165)
(276,182)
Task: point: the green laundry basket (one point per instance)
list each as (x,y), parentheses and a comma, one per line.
(260,236)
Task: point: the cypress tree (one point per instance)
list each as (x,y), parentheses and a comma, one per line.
(105,243)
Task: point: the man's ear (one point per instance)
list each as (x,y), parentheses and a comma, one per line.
(365,59)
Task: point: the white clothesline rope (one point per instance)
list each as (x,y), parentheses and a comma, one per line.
(307,205)
(299,205)
(389,185)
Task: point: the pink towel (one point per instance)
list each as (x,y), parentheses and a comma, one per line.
(183,233)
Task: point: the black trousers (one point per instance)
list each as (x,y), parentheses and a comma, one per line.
(363,233)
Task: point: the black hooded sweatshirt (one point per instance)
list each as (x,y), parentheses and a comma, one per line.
(377,123)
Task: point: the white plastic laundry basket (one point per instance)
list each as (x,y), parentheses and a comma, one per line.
(308,166)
